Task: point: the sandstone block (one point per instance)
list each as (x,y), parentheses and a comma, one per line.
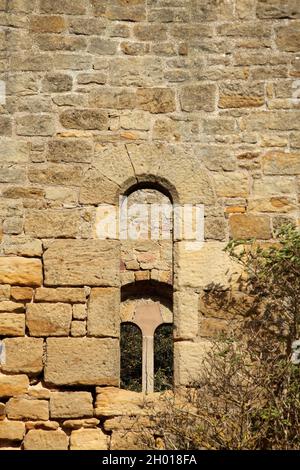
(81,423)
(82,262)
(198,97)
(70,150)
(79,312)
(117,402)
(5,292)
(35,125)
(12,385)
(78,329)
(88,439)
(61,294)
(156,100)
(244,226)
(56,173)
(51,223)
(150,32)
(189,360)
(12,430)
(269,9)
(57,83)
(87,119)
(82,361)
(14,151)
(23,355)
(102,46)
(133,10)
(47,319)
(47,24)
(23,408)
(20,271)
(232,184)
(12,324)
(66,7)
(21,294)
(9,306)
(186,312)
(24,247)
(287,37)
(103,312)
(45,425)
(46,440)
(2,411)
(71,404)
(281,163)
(206,266)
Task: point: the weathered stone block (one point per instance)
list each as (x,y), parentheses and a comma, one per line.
(52,223)
(37,439)
(205,266)
(12,324)
(232,184)
(57,83)
(276,9)
(23,408)
(35,125)
(186,313)
(70,150)
(56,173)
(89,119)
(12,430)
(103,312)
(46,319)
(281,163)
(117,402)
(288,38)
(102,46)
(132,10)
(12,385)
(21,294)
(78,329)
(23,355)
(47,24)
(198,97)
(14,151)
(79,312)
(82,262)
(82,361)
(66,7)
(244,226)
(71,404)
(9,306)
(189,359)
(21,271)
(156,100)
(61,294)
(88,439)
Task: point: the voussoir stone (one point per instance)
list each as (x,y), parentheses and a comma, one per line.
(82,361)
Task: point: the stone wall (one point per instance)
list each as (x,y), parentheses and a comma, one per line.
(200,97)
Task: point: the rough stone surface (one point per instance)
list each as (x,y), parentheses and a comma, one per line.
(20,271)
(22,408)
(71,405)
(12,324)
(82,361)
(80,263)
(12,385)
(88,439)
(23,355)
(103,312)
(12,430)
(37,439)
(47,319)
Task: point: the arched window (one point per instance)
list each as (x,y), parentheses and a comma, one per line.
(146,213)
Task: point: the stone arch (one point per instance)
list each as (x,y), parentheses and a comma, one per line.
(117,167)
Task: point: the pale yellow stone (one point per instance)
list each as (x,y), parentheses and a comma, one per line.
(103,312)
(189,358)
(12,324)
(20,271)
(46,440)
(12,385)
(71,404)
(23,355)
(49,319)
(12,430)
(24,408)
(88,439)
